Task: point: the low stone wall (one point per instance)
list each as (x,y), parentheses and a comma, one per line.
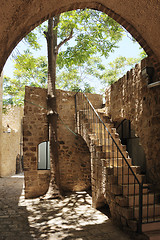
(74,155)
(130,98)
(11,140)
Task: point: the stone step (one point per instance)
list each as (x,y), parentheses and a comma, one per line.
(103,134)
(150,211)
(118,170)
(115,135)
(111,162)
(125,170)
(83,130)
(114,147)
(132,189)
(130,179)
(153,226)
(111,153)
(133,213)
(102,143)
(126,179)
(91,116)
(153,235)
(103,131)
(133,200)
(83,114)
(116,154)
(98,124)
(101,126)
(92,136)
(101,110)
(148,198)
(109,143)
(113,130)
(108,123)
(126,190)
(102,113)
(106,148)
(108,140)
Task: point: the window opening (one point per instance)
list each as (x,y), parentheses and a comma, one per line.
(43,156)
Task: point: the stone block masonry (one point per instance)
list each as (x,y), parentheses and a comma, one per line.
(35,131)
(74,155)
(130,98)
(12,140)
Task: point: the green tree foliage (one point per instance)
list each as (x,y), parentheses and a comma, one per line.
(116,69)
(28,71)
(69,79)
(32,39)
(92,32)
(83,38)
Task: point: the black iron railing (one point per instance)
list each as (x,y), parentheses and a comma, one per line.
(123,174)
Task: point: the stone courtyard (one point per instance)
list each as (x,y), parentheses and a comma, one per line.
(70,218)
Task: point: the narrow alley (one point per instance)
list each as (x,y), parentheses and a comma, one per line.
(70,218)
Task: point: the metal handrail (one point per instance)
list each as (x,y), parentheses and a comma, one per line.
(142,187)
(112,138)
(118,150)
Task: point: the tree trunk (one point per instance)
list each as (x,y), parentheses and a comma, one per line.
(51,36)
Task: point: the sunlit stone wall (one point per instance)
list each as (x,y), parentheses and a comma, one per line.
(74,155)
(11,140)
(130,98)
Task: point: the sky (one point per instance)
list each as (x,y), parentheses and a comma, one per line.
(127,48)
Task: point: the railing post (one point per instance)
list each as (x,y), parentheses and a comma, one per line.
(113,161)
(140,207)
(75,101)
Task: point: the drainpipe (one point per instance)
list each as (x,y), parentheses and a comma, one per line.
(1,97)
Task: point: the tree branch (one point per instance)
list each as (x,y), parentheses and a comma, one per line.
(46,34)
(65,40)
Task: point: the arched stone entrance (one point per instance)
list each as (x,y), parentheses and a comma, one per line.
(140,18)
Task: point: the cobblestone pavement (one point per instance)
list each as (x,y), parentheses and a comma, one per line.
(67,219)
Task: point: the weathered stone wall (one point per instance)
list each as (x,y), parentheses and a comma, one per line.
(11,140)
(35,131)
(130,98)
(74,155)
(13,117)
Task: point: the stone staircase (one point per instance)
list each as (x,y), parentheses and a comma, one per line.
(115,181)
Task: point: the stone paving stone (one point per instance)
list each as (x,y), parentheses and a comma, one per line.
(72,218)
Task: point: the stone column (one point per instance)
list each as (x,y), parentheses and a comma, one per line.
(1,95)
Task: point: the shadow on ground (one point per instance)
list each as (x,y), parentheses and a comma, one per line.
(14,223)
(70,218)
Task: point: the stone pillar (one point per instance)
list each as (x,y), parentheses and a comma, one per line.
(1,95)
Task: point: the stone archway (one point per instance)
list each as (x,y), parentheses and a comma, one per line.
(140,18)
